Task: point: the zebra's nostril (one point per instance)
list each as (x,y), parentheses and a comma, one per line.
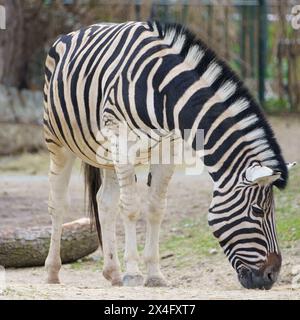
(270,276)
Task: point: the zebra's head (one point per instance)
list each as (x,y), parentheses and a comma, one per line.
(243,221)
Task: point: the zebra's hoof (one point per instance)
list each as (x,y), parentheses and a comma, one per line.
(53,280)
(113,276)
(133,280)
(156,282)
(117,283)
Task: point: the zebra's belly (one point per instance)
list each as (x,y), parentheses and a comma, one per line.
(97,151)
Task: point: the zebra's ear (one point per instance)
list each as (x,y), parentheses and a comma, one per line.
(262,175)
(290,165)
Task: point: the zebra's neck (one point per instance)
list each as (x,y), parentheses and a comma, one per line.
(202,93)
(234,133)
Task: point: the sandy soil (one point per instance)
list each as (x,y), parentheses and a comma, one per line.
(211,279)
(23,202)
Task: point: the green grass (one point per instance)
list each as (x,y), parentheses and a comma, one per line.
(194,241)
(288,211)
(94,265)
(26,163)
(276,106)
(78,265)
(29,164)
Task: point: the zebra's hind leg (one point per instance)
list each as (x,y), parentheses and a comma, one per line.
(160,177)
(130,212)
(61,162)
(108,199)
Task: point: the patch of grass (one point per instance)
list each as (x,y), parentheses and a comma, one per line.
(288,211)
(276,105)
(87,262)
(28,164)
(77,265)
(191,239)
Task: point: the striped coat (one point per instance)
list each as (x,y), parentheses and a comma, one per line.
(150,76)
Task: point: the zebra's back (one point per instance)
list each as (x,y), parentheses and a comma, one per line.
(82,87)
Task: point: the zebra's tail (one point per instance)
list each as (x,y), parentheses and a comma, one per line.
(92,179)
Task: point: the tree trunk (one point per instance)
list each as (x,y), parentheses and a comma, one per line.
(29,247)
(12,60)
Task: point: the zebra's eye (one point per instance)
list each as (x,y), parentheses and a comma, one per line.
(257,211)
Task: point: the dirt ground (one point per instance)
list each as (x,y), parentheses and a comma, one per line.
(23,202)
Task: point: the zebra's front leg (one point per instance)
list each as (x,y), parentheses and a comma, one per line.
(61,163)
(160,177)
(107,200)
(130,212)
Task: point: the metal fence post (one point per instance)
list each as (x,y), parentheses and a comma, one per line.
(138,4)
(252,44)
(262,48)
(185,11)
(243,33)
(166,11)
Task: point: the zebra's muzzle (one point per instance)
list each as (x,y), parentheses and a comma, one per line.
(252,279)
(265,277)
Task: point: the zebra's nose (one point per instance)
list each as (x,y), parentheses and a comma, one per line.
(265,277)
(252,279)
(271,268)
(271,275)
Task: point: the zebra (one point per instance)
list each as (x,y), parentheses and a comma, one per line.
(154,76)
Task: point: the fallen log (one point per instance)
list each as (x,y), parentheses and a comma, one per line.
(29,247)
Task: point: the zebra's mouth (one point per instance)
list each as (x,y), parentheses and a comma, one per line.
(264,277)
(253,279)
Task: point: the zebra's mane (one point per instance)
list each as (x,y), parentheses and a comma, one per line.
(194,51)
